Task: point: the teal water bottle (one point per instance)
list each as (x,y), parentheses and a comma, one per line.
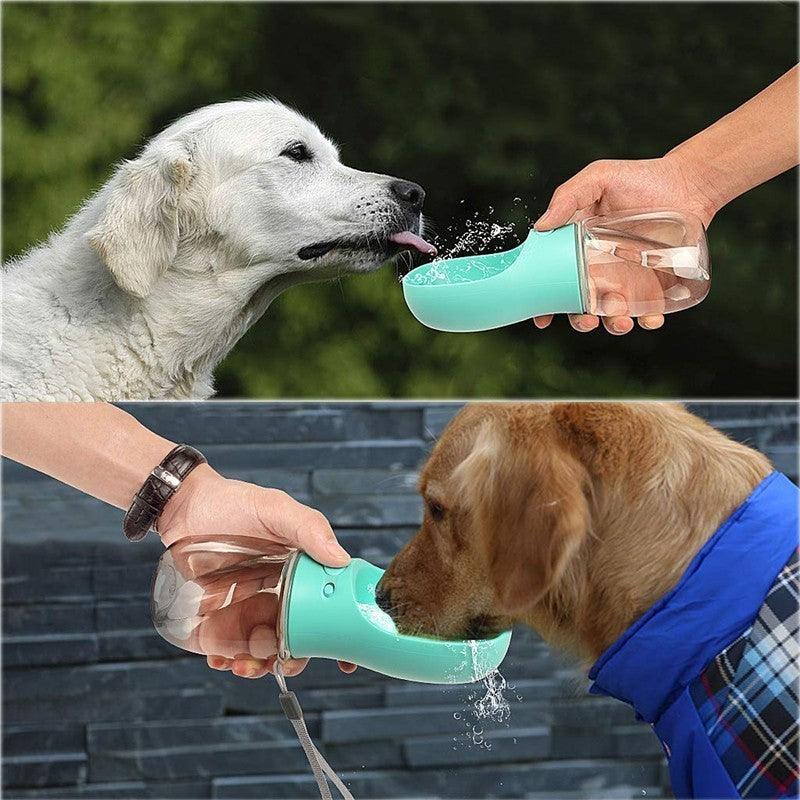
(204,588)
(634,263)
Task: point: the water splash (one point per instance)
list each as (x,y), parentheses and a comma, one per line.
(485,706)
(480,235)
(493,705)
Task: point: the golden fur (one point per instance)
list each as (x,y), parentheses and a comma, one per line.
(573,518)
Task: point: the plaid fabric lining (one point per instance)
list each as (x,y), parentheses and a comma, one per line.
(747,696)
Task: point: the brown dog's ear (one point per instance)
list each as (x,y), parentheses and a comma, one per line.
(529,501)
(137,235)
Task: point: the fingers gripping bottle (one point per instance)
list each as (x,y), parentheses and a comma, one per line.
(634,263)
(215,595)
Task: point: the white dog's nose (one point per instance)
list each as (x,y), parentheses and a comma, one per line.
(411,195)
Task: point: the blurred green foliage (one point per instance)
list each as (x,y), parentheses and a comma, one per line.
(480,103)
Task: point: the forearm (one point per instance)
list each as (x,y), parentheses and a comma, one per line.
(752,144)
(94,447)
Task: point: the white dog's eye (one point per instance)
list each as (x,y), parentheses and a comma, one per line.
(297,151)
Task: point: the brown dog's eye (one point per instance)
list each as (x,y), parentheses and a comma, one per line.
(437,510)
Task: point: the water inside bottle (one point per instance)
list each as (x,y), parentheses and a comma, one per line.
(204,587)
(648,263)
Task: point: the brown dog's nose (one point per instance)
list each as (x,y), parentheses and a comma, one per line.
(411,195)
(382,599)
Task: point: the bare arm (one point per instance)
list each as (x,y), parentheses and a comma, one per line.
(95,447)
(752,144)
(106,453)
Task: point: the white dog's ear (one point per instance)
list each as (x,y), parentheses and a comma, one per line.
(137,235)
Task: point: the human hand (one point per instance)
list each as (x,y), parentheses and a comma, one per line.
(605,187)
(210,505)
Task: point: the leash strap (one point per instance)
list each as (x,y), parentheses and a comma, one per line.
(319,766)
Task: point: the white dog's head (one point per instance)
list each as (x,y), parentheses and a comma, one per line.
(245,192)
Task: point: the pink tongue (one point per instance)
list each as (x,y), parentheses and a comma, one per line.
(412,240)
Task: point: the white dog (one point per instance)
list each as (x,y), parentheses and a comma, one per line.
(162,271)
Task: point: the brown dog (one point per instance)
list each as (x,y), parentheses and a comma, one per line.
(573,518)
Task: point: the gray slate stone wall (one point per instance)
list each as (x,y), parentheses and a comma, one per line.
(96,705)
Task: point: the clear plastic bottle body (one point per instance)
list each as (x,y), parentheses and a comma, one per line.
(643,262)
(209,595)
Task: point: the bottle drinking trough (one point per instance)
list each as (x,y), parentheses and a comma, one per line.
(208,594)
(634,263)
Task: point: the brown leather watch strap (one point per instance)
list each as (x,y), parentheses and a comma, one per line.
(161,484)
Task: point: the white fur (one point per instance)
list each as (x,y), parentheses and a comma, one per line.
(149,286)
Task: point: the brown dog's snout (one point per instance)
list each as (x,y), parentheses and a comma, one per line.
(383,599)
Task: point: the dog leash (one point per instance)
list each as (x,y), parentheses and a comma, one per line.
(319,766)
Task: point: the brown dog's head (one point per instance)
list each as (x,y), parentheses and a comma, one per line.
(505,510)
(573,518)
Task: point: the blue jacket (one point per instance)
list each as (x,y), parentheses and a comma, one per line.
(660,665)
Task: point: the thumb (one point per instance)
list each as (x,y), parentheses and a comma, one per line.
(300,526)
(583,190)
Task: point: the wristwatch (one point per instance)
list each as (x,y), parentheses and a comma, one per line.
(165,479)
